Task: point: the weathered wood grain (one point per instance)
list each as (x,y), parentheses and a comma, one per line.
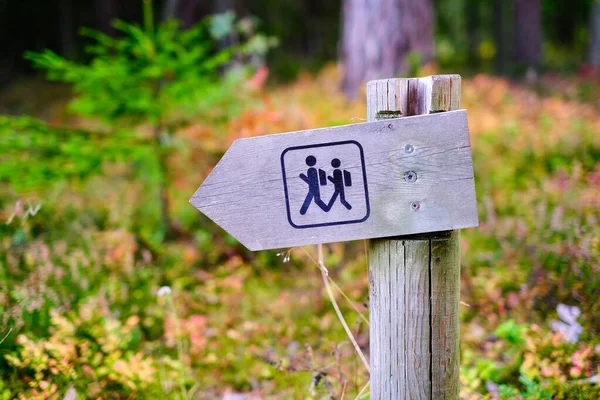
(246,193)
(445,322)
(388,330)
(414,281)
(416,314)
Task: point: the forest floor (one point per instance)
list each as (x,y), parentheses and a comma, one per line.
(90,306)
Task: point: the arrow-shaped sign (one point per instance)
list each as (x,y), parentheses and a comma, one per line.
(361,181)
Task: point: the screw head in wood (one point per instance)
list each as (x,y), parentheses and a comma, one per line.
(410,176)
(409,148)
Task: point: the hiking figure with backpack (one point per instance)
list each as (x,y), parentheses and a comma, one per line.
(341,180)
(314,179)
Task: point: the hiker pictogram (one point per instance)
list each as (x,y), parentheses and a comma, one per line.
(328,185)
(340,180)
(316,178)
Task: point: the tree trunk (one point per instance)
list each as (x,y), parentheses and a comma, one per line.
(189,17)
(473,22)
(106,12)
(528,33)
(594,51)
(378,35)
(170,10)
(221,6)
(499,35)
(67,39)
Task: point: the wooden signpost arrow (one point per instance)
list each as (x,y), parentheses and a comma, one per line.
(360,181)
(387,178)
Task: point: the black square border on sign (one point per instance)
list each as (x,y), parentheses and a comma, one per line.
(364,171)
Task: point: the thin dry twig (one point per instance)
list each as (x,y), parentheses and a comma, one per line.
(325,275)
(362,391)
(5,336)
(339,289)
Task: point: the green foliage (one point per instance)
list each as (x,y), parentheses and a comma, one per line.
(532,390)
(5,393)
(577,392)
(164,76)
(511,332)
(414,61)
(37,155)
(90,350)
(250,323)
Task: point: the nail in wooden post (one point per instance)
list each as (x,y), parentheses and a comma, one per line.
(414,281)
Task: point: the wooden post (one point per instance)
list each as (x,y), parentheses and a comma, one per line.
(414,281)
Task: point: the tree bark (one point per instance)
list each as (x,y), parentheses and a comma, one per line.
(528,33)
(378,35)
(594,49)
